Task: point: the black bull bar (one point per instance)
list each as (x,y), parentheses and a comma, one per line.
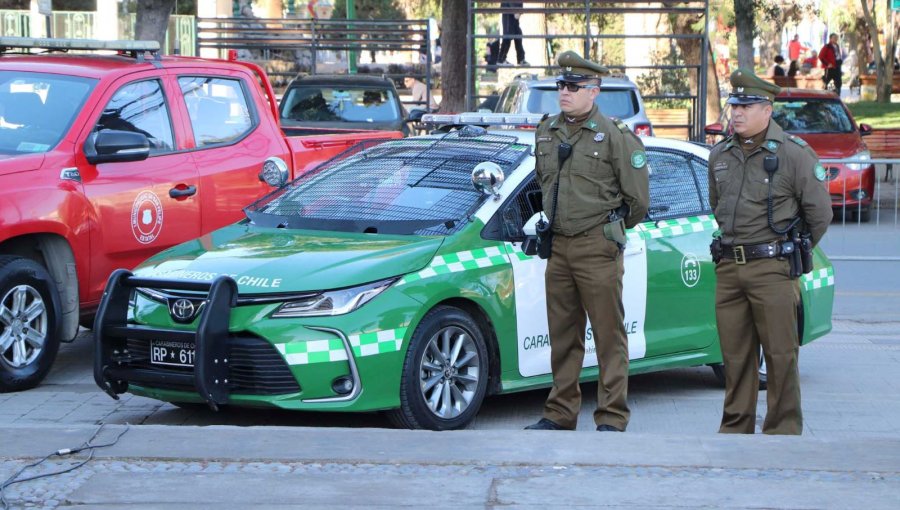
(112,331)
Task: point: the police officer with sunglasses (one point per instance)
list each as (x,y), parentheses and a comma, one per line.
(594,181)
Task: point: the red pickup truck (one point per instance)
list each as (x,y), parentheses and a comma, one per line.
(108,159)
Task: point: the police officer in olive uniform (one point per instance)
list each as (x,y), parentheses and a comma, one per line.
(756,293)
(592,196)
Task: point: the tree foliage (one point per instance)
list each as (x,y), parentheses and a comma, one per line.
(369,9)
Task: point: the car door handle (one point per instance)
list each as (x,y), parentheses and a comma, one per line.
(183,192)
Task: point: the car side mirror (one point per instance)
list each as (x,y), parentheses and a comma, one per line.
(415,115)
(113,146)
(865,130)
(715,129)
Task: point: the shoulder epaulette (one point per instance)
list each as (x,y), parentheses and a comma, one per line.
(799,141)
(621,125)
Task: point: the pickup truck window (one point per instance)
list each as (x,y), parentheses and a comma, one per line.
(140,107)
(37,109)
(218,109)
(322,104)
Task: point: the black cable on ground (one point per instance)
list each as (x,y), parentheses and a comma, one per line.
(58,453)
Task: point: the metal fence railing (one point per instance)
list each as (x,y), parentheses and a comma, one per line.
(865,197)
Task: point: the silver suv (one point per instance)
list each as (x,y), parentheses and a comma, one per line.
(619,97)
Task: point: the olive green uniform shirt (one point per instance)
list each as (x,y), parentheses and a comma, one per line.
(739,187)
(608,166)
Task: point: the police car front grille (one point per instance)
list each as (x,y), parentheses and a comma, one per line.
(255,367)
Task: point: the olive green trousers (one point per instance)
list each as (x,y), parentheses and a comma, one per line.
(756,305)
(584,280)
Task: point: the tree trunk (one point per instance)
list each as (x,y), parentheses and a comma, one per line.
(690,51)
(745,25)
(152,20)
(453,55)
(888,55)
(880,69)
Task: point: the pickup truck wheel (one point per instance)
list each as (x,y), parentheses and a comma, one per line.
(445,373)
(29,323)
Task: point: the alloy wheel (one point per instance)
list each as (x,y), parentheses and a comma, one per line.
(23,326)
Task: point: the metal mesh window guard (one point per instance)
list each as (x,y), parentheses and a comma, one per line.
(413,186)
(679,185)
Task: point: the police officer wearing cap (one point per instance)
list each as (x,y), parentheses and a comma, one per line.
(594,181)
(761,183)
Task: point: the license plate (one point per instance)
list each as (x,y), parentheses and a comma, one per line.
(172,353)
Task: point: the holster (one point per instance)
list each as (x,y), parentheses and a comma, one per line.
(615,231)
(715,249)
(806,250)
(544,239)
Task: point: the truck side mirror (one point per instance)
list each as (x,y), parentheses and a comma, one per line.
(113,146)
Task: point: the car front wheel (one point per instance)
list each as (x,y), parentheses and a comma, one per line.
(445,373)
(28,323)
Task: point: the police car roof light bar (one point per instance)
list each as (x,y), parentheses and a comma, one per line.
(483,119)
(135,48)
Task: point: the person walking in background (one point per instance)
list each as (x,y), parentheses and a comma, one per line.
(511,27)
(593,172)
(776,69)
(831,57)
(763,184)
(796,49)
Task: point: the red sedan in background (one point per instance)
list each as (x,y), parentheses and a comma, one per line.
(821,119)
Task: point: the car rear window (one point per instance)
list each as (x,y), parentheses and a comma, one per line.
(811,116)
(619,103)
(317,103)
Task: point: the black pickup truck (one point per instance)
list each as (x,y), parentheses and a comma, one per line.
(342,102)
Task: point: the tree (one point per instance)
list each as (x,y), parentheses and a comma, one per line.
(453,55)
(152,20)
(745,27)
(884,65)
(368,9)
(691,51)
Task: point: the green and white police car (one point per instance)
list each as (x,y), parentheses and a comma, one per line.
(386,280)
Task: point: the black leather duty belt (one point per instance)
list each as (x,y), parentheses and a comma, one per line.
(741,253)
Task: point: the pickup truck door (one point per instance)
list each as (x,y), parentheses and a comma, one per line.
(231,136)
(140,207)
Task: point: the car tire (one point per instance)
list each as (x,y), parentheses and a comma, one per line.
(864,214)
(445,373)
(29,323)
(719,371)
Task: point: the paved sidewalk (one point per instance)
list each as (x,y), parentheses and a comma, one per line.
(162,467)
(671,457)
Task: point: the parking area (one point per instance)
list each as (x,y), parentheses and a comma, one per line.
(850,378)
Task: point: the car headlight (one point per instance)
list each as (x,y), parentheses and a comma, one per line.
(860,155)
(333,302)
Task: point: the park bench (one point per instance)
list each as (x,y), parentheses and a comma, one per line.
(670,123)
(884,144)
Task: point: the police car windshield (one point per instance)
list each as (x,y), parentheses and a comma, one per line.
(619,103)
(811,116)
(37,109)
(419,186)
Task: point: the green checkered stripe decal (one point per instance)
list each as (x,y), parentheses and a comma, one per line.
(332,349)
(818,278)
(677,227)
(459,261)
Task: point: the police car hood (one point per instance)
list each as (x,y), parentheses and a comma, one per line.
(263,260)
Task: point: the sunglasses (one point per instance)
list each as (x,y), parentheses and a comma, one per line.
(572,87)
